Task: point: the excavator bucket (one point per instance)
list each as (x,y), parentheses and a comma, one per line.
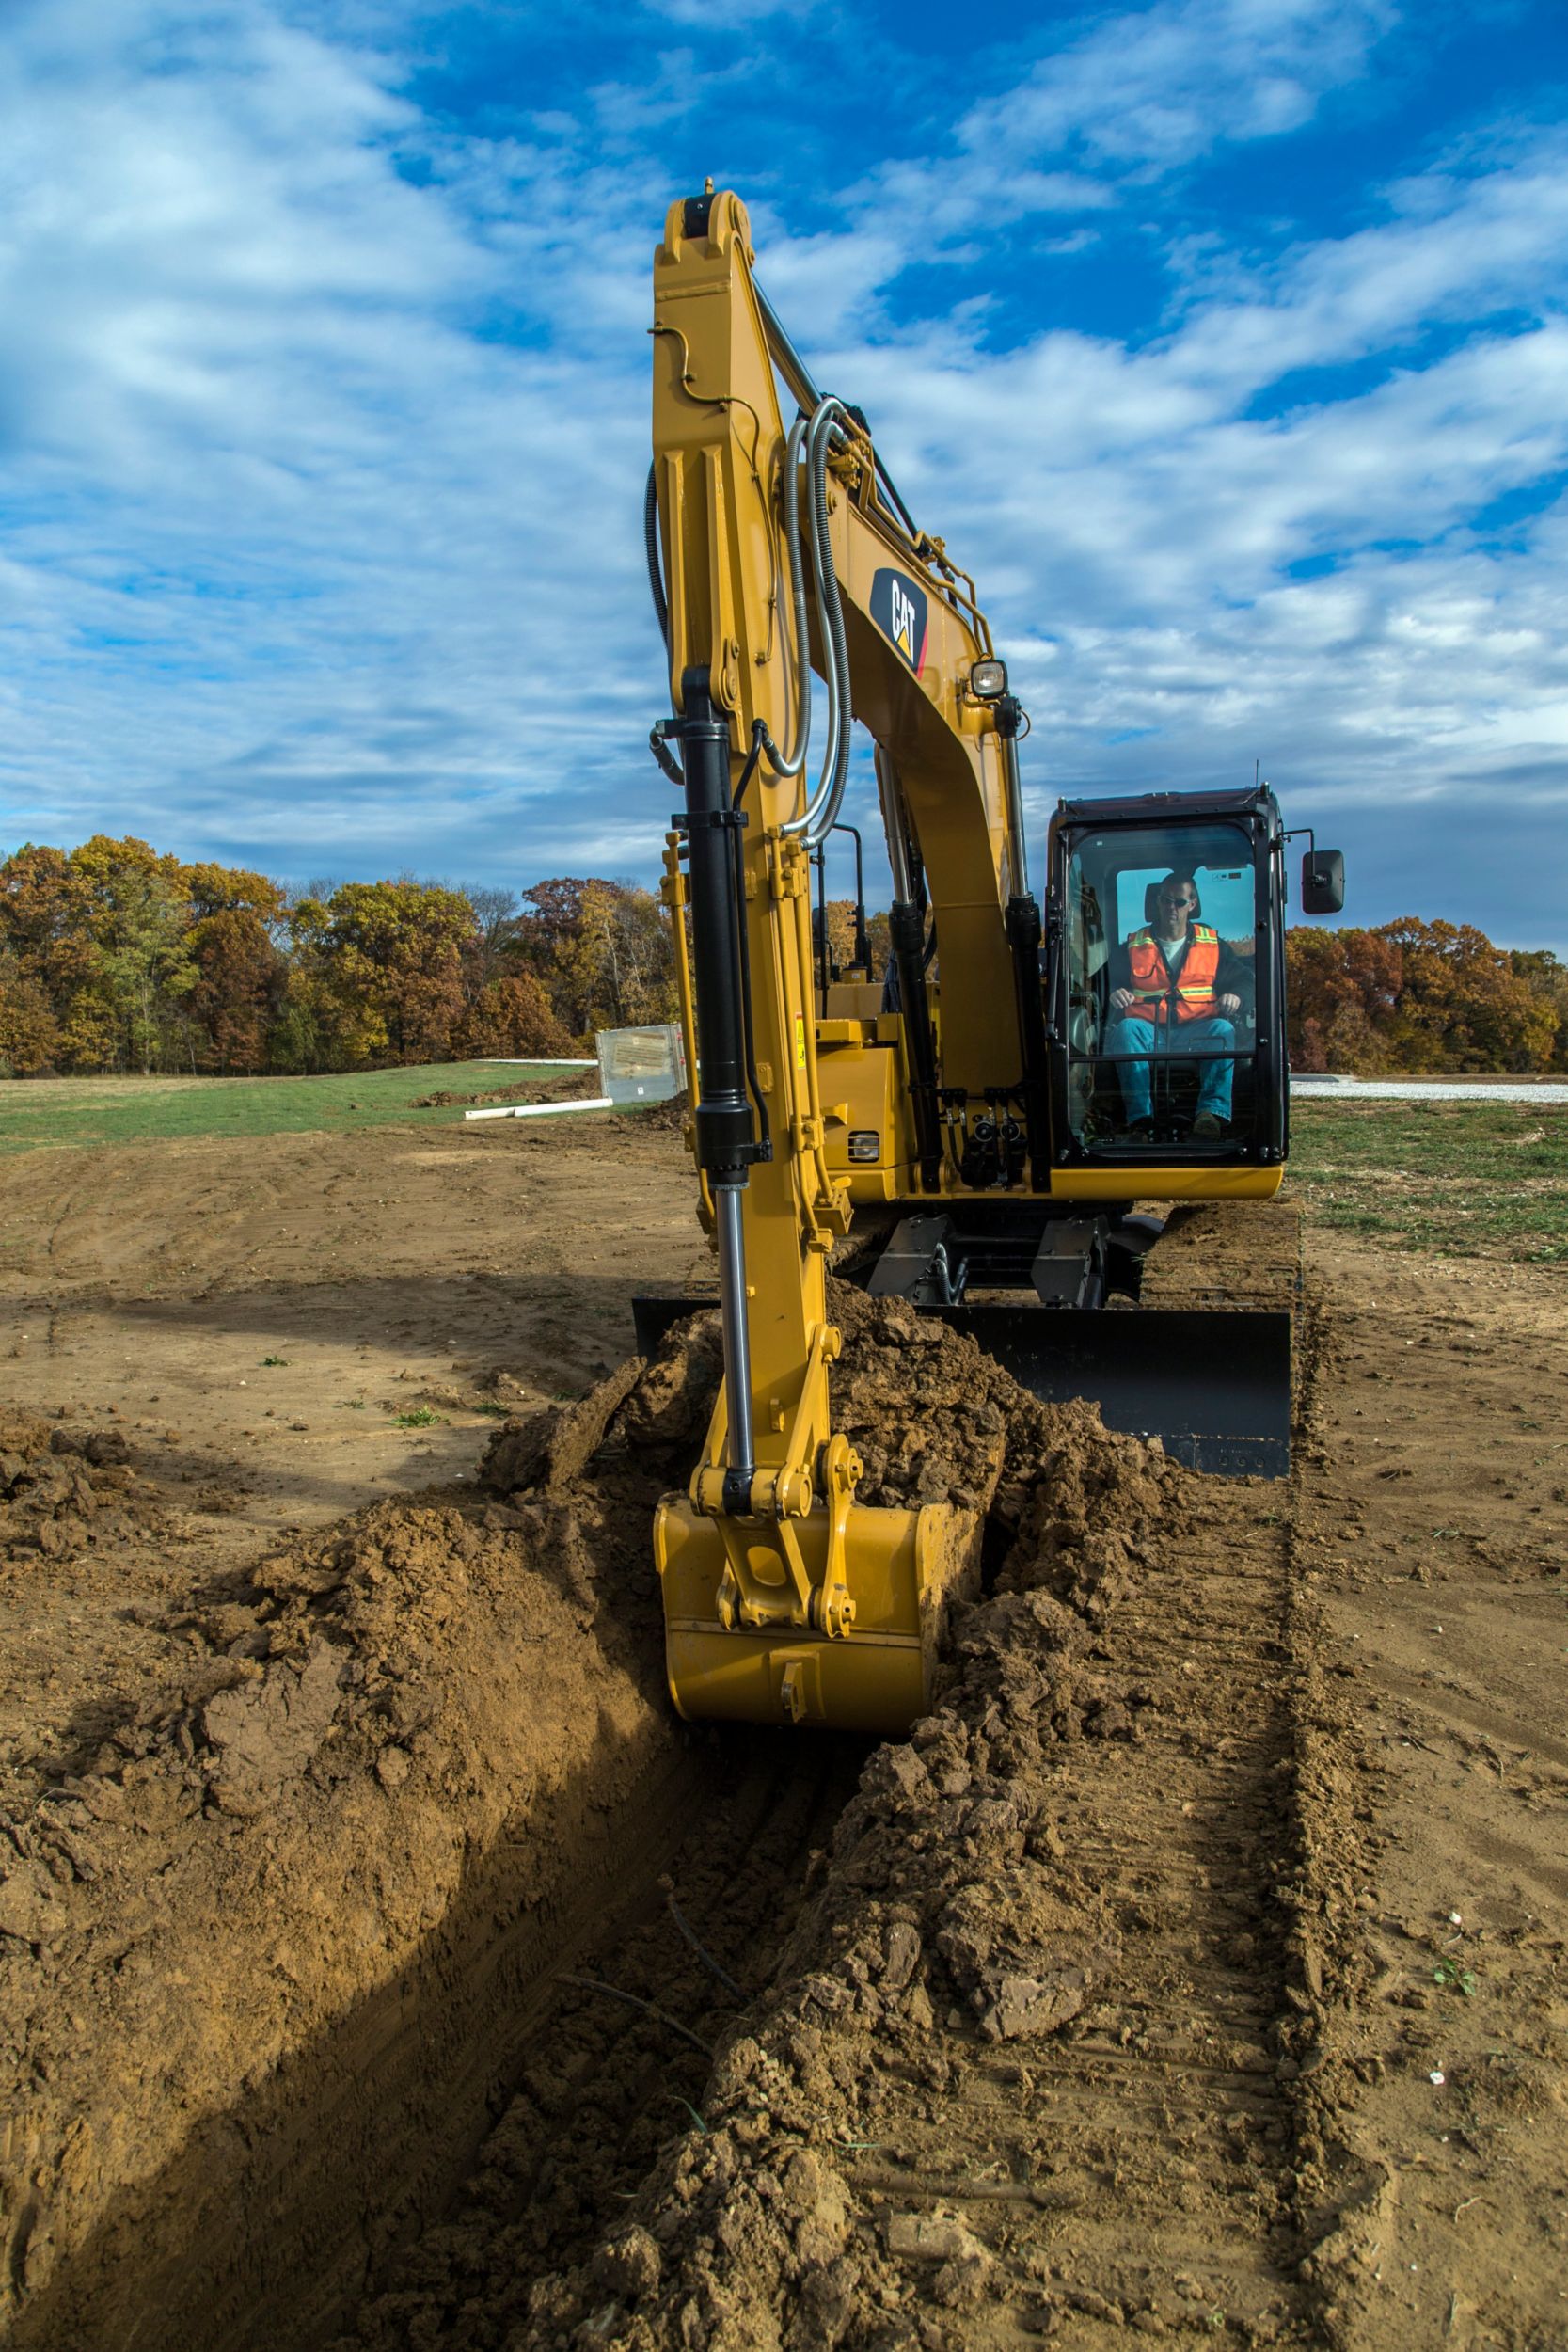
(905,1568)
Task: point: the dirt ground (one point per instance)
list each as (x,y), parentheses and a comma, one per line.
(1196,1968)
(257,1320)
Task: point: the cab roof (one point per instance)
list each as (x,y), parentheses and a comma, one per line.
(1143,808)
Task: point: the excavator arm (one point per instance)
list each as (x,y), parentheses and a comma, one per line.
(776,552)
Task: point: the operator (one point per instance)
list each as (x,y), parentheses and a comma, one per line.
(1179,986)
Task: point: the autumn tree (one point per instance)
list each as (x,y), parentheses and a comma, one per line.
(495,912)
(602,950)
(311,1028)
(395,951)
(237,918)
(54,1017)
(114,956)
(29,1033)
(1341,991)
(512,1016)
(1548,979)
(239,987)
(842,942)
(1421,996)
(139,915)
(1461,1006)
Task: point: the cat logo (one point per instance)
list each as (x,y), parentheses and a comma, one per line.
(899,607)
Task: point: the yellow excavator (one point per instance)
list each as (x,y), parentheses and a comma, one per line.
(997,1103)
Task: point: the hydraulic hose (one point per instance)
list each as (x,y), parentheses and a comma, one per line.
(821,810)
(791,762)
(827,421)
(907,924)
(650,541)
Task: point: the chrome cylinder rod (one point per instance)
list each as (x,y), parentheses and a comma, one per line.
(1013,785)
(735,1326)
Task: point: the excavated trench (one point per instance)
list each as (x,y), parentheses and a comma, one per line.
(617,2065)
(506,2012)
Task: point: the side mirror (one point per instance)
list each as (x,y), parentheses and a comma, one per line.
(1323,881)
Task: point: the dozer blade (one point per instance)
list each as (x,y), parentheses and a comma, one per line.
(902,1568)
(1214,1388)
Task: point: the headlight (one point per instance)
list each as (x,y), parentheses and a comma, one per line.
(986,680)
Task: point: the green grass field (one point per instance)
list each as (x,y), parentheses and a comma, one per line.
(1474,1179)
(42,1111)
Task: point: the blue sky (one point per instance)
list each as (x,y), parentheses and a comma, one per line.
(1223,341)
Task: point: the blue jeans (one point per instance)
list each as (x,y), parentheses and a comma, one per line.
(1132,1035)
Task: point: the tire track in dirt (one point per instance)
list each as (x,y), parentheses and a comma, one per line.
(1432,2125)
(1163,2121)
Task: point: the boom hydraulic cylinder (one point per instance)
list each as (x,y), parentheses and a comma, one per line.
(726,1139)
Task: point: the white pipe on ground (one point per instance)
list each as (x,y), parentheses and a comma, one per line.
(545,1110)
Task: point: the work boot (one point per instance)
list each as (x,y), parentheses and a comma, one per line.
(1207,1123)
(1141,1131)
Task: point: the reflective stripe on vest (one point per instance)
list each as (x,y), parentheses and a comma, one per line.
(1194,986)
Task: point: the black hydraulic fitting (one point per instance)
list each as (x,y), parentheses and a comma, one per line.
(980,1165)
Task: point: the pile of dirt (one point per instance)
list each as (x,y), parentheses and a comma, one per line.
(413,1765)
(670,1117)
(61,1489)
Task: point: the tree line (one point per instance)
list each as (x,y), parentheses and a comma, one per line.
(1423,996)
(114,957)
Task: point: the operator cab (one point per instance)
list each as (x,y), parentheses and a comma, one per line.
(1148,1066)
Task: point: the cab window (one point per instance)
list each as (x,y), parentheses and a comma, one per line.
(1113,882)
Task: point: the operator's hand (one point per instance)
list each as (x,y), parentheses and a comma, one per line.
(1230,1007)
(1121,998)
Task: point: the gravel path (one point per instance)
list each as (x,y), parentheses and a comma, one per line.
(1334,1090)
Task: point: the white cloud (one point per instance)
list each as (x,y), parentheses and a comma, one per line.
(1164,85)
(1454,248)
(1141,92)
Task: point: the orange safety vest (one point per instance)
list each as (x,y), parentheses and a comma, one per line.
(1195,988)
